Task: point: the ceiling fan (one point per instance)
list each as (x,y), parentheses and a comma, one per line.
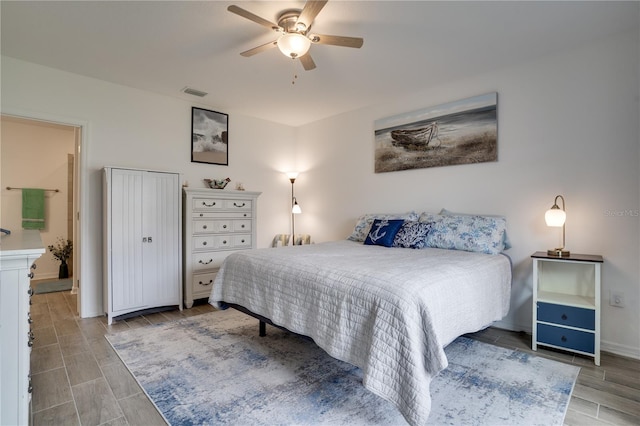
(295,38)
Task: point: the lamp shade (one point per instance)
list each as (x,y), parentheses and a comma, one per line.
(555,217)
(293,45)
(296,207)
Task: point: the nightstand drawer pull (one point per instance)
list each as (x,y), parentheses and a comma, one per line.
(563,338)
(208,205)
(567,315)
(205,262)
(240,205)
(205,284)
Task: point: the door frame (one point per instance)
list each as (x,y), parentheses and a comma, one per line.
(79,188)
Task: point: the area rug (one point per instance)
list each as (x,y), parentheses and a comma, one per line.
(53,286)
(215,369)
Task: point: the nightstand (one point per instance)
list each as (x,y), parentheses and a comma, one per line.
(566,303)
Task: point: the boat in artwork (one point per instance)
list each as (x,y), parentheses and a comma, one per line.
(414,138)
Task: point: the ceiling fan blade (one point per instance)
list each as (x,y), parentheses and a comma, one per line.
(355,42)
(255,18)
(259,49)
(307,62)
(310,11)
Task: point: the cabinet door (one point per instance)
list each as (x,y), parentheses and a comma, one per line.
(161,228)
(126,240)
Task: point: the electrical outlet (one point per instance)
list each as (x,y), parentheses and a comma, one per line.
(616,298)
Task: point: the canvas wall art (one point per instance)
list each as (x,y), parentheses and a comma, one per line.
(209,137)
(460,132)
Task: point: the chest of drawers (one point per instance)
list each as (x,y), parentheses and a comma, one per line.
(18,252)
(216,224)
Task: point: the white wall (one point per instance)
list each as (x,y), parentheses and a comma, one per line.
(132,128)
(568,124)
(34,155)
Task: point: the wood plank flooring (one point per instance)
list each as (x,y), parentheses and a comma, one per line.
(79,380)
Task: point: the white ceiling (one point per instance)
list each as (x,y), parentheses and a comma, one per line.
(163,46)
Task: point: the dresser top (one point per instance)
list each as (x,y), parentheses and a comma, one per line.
(21,242)
(229,193)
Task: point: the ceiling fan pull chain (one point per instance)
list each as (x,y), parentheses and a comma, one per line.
(295,76)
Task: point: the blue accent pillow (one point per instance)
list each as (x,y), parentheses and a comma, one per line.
(412,234)
(383,232)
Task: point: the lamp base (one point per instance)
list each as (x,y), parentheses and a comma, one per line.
(559,252)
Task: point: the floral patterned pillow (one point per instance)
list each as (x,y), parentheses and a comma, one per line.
(363,226)
(412,234)
(481,234)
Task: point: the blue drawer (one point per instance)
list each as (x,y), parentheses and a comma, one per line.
(567,315)
(566,338)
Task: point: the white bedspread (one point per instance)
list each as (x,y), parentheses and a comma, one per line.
(389,311)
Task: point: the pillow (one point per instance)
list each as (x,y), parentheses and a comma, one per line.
(363,225)
(480,234)
(383,232)
(412,234)
(506,241)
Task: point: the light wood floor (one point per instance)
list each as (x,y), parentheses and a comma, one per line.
(79,380)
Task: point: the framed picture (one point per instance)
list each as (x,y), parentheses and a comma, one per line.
(459,132)
(209,137)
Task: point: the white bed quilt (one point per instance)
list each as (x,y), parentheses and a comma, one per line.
(389,311)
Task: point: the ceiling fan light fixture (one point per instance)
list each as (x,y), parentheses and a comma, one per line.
(293,45)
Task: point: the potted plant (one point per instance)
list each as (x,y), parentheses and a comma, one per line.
(62,252)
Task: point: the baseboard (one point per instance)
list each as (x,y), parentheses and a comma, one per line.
(618,349)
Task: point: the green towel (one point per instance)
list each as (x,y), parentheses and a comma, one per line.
(32,208)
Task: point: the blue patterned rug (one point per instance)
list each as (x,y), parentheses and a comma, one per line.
(214,369)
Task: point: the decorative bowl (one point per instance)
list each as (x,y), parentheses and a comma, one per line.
(217,183)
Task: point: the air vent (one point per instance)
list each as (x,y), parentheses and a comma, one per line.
(194,92)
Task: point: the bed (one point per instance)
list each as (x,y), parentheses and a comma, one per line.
(389,311)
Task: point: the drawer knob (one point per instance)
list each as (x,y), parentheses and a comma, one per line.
(34,266)
(224,242)
(30,291)
(205,263)
(564,316)
(224,226)
(204,243)
(245,215)
(242,226)
(563,338)
(30,275)
(204,226)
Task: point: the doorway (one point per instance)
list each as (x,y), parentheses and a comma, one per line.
(38,153)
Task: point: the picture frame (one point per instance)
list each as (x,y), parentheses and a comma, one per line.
(454,133)
(209,137)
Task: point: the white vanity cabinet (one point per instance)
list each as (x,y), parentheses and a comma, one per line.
(18,252)
(142,238)
(216,224)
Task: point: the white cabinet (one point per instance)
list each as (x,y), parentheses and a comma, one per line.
(216,224)
(18,253)
(142,238)
(566,303)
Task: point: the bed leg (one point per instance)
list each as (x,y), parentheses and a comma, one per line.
(263,329)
